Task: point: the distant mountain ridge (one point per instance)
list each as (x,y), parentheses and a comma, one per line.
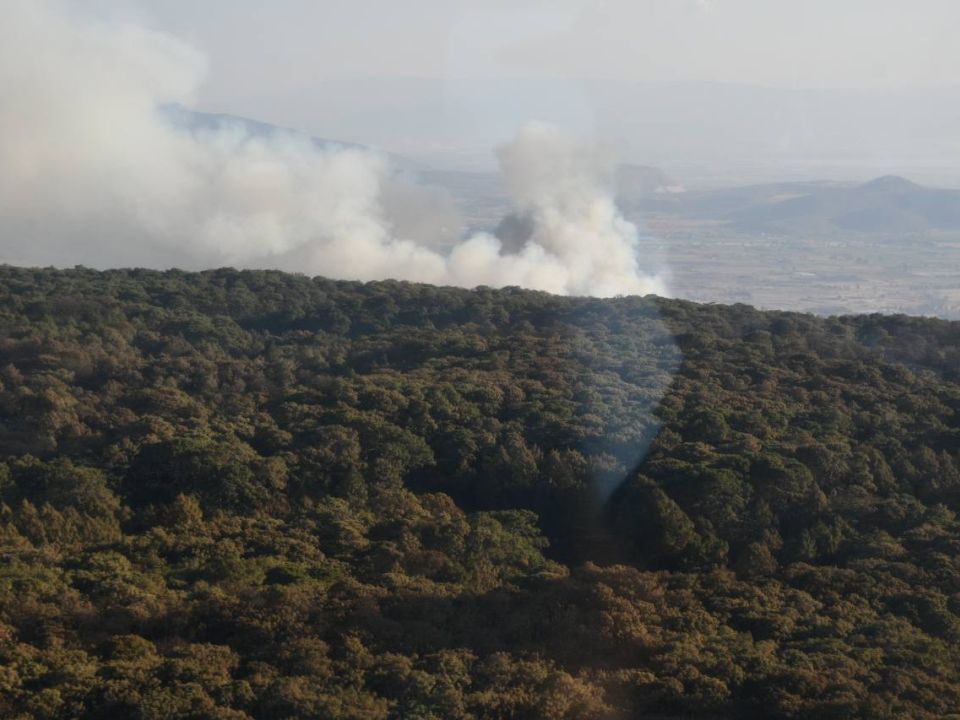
(194,121)
(890,203)
(886,204)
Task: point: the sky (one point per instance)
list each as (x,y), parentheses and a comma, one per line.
(254,45)
(443,81)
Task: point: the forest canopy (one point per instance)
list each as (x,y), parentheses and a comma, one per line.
(250,494)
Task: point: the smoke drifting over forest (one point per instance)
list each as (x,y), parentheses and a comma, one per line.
(93,172)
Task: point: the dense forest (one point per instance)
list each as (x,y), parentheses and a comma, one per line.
(260,495)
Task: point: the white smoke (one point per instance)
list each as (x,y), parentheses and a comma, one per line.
(93,172)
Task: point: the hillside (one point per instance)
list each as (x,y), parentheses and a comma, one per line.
(251,494)
(886,204)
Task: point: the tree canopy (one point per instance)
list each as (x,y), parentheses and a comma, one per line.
(260,495)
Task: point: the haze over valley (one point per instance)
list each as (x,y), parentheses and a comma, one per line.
(828,247)
(133,153)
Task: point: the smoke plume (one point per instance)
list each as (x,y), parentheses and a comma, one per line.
(93,172)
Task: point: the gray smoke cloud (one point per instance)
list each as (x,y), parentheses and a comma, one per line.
(93,172)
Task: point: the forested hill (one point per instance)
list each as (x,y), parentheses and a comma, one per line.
(258,495)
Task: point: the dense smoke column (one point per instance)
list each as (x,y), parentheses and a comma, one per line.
(93,171)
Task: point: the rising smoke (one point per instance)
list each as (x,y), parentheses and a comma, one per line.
(93,172)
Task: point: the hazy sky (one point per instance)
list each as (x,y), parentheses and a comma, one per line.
(254,44)
(401,74)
